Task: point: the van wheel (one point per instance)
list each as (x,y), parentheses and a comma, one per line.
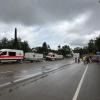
(31,61)
(20,61)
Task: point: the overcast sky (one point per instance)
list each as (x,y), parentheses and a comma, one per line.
(71,22)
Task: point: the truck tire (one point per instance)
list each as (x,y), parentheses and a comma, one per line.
(31,61)
(19,61)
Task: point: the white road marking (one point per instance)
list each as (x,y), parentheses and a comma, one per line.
(5,84)
(80,84)
(20,79)
(6,72)
(27,77)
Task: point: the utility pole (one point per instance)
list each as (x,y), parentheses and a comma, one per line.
(15,45)
(15,34)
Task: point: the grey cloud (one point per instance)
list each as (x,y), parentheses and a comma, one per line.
(42,11)
(79,41)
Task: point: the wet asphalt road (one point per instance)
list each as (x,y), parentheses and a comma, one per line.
(14,71)
(61,84)
(90,89)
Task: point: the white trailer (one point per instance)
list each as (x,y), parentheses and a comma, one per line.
(76,55)
(58,56)
(31,56)
(11,55)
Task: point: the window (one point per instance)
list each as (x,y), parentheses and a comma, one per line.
(12,53)
(4,53)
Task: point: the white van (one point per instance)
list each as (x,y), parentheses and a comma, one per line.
(31,56)
(11,55)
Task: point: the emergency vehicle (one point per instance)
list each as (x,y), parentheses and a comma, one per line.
(53,56)
(11,55)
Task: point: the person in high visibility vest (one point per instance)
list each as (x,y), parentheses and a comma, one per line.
(84,59)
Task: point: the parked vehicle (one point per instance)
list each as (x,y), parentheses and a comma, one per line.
(53,56)
(58,56)
(11,55)
(31,56)
(95,58)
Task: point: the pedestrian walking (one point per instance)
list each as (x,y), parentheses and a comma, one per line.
(87,60)
(78,60)
(75,60)
(84,60)
(90,58)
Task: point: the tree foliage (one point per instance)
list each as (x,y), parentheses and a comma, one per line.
(92,47)
(97,43)
(64,50)
(45,47)
(11,44)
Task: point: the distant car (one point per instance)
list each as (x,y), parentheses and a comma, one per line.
(50,56)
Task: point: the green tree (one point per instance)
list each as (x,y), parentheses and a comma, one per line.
(4,43)
(49,49)
(10,44)
(91,46)
(25,46)
(97,43)
(65,50)
(38,50)
(85,50)
(45,48)
(59,49)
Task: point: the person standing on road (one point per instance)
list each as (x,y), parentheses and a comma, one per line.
(75,60)
(87,59)
(78,60)
(90,58)
(84,59)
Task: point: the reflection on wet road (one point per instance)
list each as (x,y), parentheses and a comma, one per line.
(11,72)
